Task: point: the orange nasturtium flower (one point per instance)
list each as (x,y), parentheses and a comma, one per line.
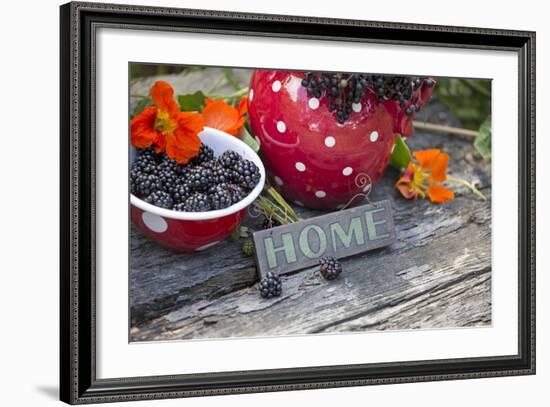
(166,128)
(222,116)
(426,178)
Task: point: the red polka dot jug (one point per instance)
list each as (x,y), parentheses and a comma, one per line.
(314,159)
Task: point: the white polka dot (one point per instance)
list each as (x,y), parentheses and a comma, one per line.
(374,136)
(330,141)
(300,166)
(251,95)
(281,126)
(320,194)
(392,148)
(313,103)
(154,222)
(347,171)
(278,180)
(206,246)
(299,203)
(356,107)
(276,86)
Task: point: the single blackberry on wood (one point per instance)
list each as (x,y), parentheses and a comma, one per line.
(160,198)
(246,174)
(205,154)
(330,267)
(271,285)
(220,196)
(229,158)
(198,202)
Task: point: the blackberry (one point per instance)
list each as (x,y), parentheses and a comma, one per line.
(180,207)
(271,285)
(246,174)
(167,173)
(144,184)
(161,199)
(219,196)
(200,178)
(205,154)
(146,161)
(219,172)
(229,159)
(182,191)
(342,89)
(330,267)
(237,193)
(198,202)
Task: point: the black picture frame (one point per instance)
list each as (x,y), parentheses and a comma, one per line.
(78,382)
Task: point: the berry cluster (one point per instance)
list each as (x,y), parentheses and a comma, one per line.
(343,89)
(205,183)
(271,285)
(330,268)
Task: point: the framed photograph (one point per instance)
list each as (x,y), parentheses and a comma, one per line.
(255,203)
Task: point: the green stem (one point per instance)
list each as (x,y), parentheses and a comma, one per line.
(281,201)
(468,185)
(238,94)
(136,95)
(270,211)
(229,76)
(217,83)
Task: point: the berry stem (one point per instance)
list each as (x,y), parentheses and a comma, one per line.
(281,201)
(439,128)
(470,185)
(235,95)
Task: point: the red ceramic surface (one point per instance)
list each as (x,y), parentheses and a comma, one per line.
(185,235)
(197,231)
(312,159)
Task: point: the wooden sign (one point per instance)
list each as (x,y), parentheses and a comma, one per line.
(286,248)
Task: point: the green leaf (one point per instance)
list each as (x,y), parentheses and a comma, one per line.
(250,141)
(193,102)
(401,154)
(141,105)
(482,143)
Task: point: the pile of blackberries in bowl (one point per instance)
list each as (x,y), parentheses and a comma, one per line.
(206,183)
(190,207)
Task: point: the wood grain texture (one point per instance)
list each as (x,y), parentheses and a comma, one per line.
(436,275)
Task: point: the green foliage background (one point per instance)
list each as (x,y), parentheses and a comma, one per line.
(468,99)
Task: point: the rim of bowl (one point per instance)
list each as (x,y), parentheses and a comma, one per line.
(218,213)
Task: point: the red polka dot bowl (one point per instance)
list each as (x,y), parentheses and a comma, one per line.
(310,158)
(197,231)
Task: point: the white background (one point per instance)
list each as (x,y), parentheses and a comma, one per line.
(29,204)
